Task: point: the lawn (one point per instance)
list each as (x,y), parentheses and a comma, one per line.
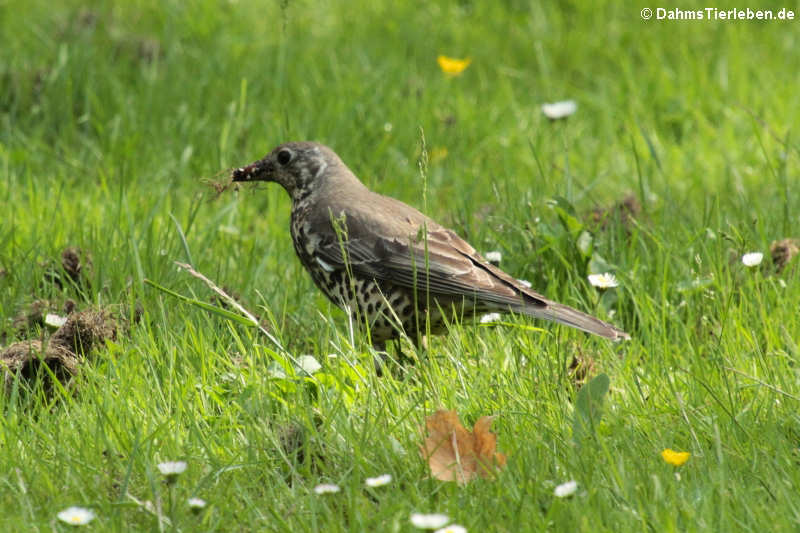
(118,119)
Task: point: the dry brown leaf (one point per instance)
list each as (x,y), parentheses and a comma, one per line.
(455,454)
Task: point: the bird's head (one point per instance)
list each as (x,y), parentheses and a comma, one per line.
(298,166)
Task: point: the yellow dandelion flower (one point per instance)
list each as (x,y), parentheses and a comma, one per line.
(452,66)
(675,458)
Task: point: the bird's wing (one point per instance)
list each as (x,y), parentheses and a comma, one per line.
(438,262)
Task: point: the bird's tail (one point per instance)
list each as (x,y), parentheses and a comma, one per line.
(566,315)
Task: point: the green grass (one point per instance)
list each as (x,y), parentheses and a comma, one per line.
(111,116)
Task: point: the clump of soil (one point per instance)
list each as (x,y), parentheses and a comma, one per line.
(75,265)
(66,349)
(783,252)
(626,211)
(89,328)
(71,263)
(25,358)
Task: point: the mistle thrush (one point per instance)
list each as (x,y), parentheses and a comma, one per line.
(387,262)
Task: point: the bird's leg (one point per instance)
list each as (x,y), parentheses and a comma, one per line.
(396,364)
(401,357)
(381,357)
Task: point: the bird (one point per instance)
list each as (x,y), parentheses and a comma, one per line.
(397,270)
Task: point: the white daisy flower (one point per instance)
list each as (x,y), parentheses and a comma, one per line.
(327,488)
(752,259)
(76,516)
(565,490)
(494,257)
(378,481)
(605,280)
(172,468)
(491,317)
(452,528)
(558,110)
(196,503)
(429,521)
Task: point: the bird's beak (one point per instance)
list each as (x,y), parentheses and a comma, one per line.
(258,171)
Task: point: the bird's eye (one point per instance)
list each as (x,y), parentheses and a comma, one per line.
(284,156)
